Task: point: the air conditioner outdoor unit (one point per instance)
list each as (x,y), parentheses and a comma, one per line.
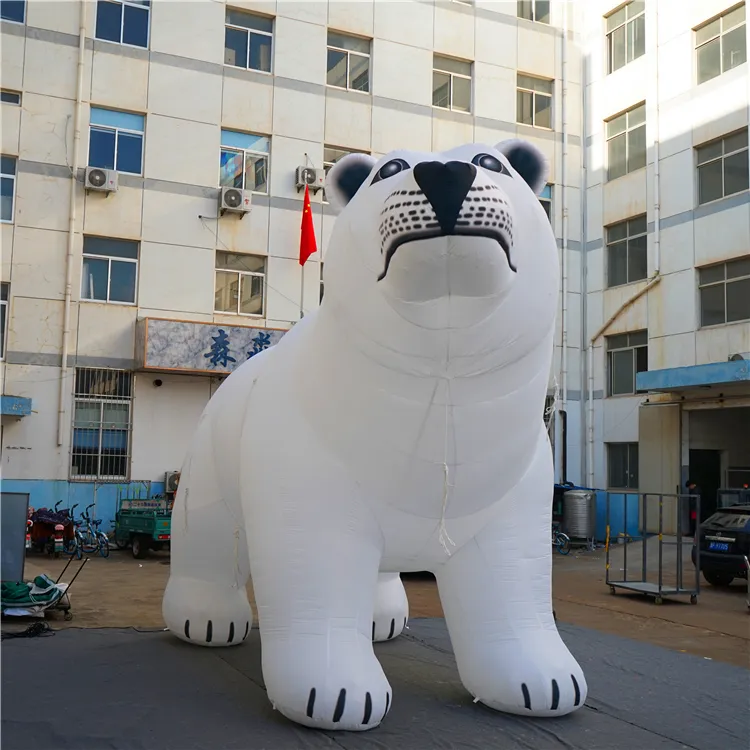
(234,201)
(101,180)
(309,176)
(739,356)
(171,480)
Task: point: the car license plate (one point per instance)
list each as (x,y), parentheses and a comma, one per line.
(718,546)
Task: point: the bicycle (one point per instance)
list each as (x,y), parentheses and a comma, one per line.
(560,541)
(92,539)
(74,546)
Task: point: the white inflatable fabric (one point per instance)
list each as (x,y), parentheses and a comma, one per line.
(397,428)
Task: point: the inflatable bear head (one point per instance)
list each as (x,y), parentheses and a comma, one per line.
(444,240)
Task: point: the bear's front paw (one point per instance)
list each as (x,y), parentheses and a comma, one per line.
(336,691)
(391,611)
(531,676)
(206,614)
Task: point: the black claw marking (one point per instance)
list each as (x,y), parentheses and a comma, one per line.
(577,689)
(247,630)
(373,630)
(393,627)
(555,696)
(368,709)
(311,703)
(338,712)
(231,632)
(209,631)
(187,628)
(526,697)
(387,704)
(404,628)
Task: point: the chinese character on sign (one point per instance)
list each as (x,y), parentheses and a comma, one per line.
(219,353)
(260,342)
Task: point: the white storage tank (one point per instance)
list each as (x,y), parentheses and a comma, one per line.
(579,514)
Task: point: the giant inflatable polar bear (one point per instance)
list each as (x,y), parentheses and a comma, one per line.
(397,428)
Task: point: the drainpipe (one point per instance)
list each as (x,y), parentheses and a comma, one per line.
(564,311)
(62,396)
(584,241)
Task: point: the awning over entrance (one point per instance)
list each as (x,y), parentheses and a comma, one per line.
(15,406)
(697,376)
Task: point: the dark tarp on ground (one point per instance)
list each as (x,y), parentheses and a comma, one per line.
(97,689)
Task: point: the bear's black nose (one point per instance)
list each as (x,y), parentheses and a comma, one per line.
(445,186)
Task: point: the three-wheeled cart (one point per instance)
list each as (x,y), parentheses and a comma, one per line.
(143,524)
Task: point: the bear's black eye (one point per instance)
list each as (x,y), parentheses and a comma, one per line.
(394,166)
(487,161)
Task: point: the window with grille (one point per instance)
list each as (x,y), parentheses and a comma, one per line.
(622,466)
(627,251)
(102,423)
(626,142)
(721,44)
(627,355)
(722,167)
(626,35)
(725,292)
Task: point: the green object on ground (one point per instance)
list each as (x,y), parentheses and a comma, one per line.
(42,590)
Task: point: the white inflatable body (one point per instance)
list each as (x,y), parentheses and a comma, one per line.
(397,428)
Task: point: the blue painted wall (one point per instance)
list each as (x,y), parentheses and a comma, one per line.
(46,493)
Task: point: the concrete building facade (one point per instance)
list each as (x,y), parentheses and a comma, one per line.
(123,309)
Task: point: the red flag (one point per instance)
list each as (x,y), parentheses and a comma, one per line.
(307,244)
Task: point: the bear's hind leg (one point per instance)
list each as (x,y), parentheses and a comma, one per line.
(205,601)
(391,608)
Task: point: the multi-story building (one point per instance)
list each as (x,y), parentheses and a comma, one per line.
(126,307)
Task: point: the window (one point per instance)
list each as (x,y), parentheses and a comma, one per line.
(4,294)
(533,10)
(240,283)
(627,355)
(722,167)
(348,62)
(451,83)
(123,22)
(622,466)
(725,292)
(545,198)
(10,97)
(101,424)
(244,161)
(626,35)
(321,283)
(110,270)
(116,140)
(626,142)
(13,10)
(7,187)
(721,44)
(627,251)
(248,40)
(534,101)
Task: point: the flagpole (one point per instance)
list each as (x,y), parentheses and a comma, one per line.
(302,294)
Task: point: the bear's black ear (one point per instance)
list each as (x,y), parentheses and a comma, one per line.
(346,176)
(530,163)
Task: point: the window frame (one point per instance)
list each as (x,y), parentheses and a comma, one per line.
(534,93)
(100,400)
(4,315)
(608,36)
(626,132)
(546,202)
(248,31)
(23,19)
(12,178)
(245,152)
(451,75)
(116,129)
(609,243)
(721,157)
(720,36)
(532,6)
(610,350)
(110,258)
(631,448)
(348,54)
(263,275)
(10,92)
(724,283)
(133,3)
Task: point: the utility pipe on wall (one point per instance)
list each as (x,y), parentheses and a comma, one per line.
(62,395)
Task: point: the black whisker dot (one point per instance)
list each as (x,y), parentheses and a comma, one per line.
(577,689)
(526,697)
(368,709)
(338,712)
(311,703)
(555,696)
